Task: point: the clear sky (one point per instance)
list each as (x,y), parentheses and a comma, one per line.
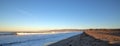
(59,14)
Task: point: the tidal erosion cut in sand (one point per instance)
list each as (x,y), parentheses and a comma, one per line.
(93,37)
(111,36)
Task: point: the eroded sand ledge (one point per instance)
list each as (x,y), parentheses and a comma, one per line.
(87,39)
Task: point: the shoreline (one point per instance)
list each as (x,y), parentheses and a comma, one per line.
(88,39)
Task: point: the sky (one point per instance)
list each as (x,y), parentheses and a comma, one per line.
(58,14)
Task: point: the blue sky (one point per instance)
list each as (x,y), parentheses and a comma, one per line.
(59,14)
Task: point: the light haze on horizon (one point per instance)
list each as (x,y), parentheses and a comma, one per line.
(59,14)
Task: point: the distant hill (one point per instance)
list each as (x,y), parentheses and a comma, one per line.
(43,31)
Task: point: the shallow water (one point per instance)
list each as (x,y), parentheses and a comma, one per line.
(35,40)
